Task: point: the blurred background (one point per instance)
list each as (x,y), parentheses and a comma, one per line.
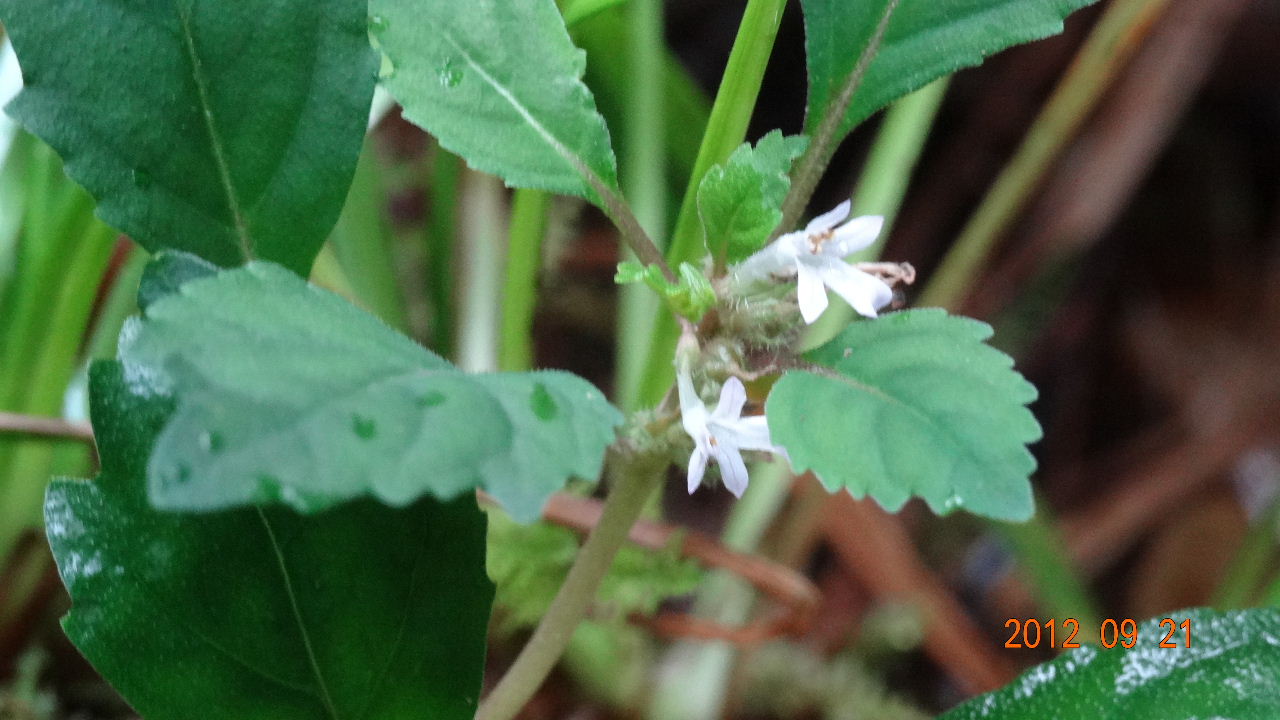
(1122,182)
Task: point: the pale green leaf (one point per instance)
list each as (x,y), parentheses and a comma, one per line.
(1231,670)
(226,129)
(363,612)
(925,40)
(916,404)
(499,83)
(740,201)
(288,392)
(529,563)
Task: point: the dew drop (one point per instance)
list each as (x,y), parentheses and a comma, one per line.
(431,399)
(268,489)
(212,442)
(141,178)
(365,428)
(378,24)
(955,502)
(544,406)
(450,75)
(181,474)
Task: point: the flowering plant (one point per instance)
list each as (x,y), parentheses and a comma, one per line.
(289,521)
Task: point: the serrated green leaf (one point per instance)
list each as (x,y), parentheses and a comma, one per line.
(499,83)
(692,296)
(288,392)
(364,611)
(227,129)
(917,405)
(740,201)
(1231,670)
(925,40)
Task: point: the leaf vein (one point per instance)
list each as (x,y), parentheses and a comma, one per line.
(297,615)
(243,239)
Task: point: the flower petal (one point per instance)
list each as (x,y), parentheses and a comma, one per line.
(732,467)
(829,219)
(748,433)
(855,235)
(693,413)
(697,467)
(810,293)
(733,396)
(864,293)
(776,258)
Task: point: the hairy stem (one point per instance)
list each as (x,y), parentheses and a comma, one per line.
(632,486)
(726,129)
(825,138)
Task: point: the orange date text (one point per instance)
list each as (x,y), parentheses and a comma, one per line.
(1065,634)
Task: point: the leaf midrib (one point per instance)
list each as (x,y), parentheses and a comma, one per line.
(243,240)
(325,697)
(580,165)
(892,400)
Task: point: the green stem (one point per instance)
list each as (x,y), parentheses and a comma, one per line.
(363,242)
(825,138)
(1105,53)
(520,292)
(644,183)
(726,129)
(441,237)
(483,247)
(63,251)
(632,486)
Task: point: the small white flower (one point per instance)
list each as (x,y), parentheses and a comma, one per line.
(815,256)
(722,433)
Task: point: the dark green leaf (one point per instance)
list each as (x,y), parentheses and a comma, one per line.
(361,612)
(740,202)
(228,129)
(1231,670)
(925,40)
(917,405)
(168,272)
(499,83)
(288,392)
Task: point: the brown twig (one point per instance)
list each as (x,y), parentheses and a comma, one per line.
(18,424)
(795,596)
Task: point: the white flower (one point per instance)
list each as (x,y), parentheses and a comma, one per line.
(722,433)
(816,256)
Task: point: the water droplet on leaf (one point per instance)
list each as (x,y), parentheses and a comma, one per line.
(365,428)
(544,406)
(450,74)
(268,489)
(378,24)
(212,442)
(431,399)
(955,502)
